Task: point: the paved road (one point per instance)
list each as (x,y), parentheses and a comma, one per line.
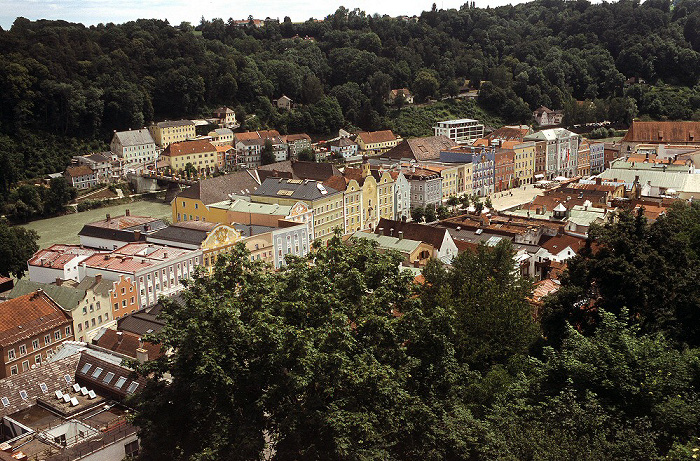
(514,197)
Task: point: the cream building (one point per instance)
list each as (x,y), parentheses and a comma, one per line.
(168,132)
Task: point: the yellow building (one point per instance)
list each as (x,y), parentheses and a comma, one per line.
(353,207)
(385,195)
(464,179)
(376,198)
(165,133)
(201,154)
(377,141)
(325,201)
(524,171)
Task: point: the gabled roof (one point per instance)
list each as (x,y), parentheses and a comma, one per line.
(65,296)
(134,137)
(427,148)
(296,137)
(52,374)
(265,134)
(666,132)
(29,315)
(404,245)
(58,255)
(108,377)
(421,232)
(342,142)
(77,171)
(557,244)
(509,133)
(126,343)
(185,232)
(372,137)
(212,190)
(197,146)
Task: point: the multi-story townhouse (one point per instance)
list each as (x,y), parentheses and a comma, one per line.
(483,172)
(81,177)
(426,186)
(32,327)
(540,160)
(352,209)
(100,163)
(116,231)
(524,162)
(583,163)
(344,148)
(325,201)
(376,142)
(221,137)
(88,302)
(504,169)
(402,196)
(597,157)
(297,143)
(450,177)
(157,270)
(226,117)
(134,147)
(201,154)
(249,147)
(460,131)
(168,132)
(123,296)
(58,262)
(562,151)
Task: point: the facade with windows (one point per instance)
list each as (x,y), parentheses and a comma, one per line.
(426,187)
(460,131)
(157,270)
(134,147)
(32,327)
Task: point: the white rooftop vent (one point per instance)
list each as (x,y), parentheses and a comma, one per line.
(66,398)
(84,391)
(321,188)
(92,395)
(58,394)
(76,387)
(73,402)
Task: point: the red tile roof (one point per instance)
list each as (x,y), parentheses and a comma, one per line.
(126,343)
(557,244)
(77,171)
(372,137)
(666,132)
(28,316)
(57,256)
(188,147)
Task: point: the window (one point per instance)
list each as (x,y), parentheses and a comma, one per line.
(97,304)
(116,306)
(23,394)
(35,344)
(11,354)
(25,365)
(92,308)
(131,449)
(99,319)
(132,387)
(68,331)
(5,402)
(86,368)
(97,372)
(13,370)
(108,377)
(124,303)
(85,309)
(22,350)
(57,335)
(132,300)
(120,382)
(37,359)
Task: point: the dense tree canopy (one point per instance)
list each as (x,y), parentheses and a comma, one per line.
(17,246)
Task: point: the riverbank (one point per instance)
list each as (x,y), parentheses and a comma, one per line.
(64,229)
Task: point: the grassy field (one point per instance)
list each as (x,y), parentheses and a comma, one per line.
(64,229)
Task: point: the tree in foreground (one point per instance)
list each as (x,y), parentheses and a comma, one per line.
(330,358)
(17,245)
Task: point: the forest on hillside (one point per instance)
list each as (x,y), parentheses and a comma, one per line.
(66,80)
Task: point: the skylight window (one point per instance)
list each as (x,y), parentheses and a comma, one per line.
(5,402)
(23,394)
(108,377)
(67,378)
(86,368)
(43,388)
(97,372)
(120,382)
(132,387)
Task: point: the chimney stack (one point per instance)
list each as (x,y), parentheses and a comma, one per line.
(141,355)
(599,181)
(108,217)
(128,212)
(98,278)
(59,281)
(400,235)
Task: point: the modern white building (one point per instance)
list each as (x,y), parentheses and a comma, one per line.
(460,131)
(58,262)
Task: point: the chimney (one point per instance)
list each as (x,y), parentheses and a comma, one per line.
(98,278)
(416,263)
(400,235)
(141,355)
(127,212)
(599,181)
(391,232)
(137,236)
(59,282)
(108,217)
(120,336)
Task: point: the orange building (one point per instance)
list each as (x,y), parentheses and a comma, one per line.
(123,296)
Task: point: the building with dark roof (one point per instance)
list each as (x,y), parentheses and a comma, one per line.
(421,149)
(128,344)
(298,169)
(376,142)
(438,237)
(115,231)
(678,133)
(134,147)
(165,133)
(31,326)
(81,177)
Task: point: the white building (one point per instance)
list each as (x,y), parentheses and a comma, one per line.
(58,262)
(134,147)
(461,130)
